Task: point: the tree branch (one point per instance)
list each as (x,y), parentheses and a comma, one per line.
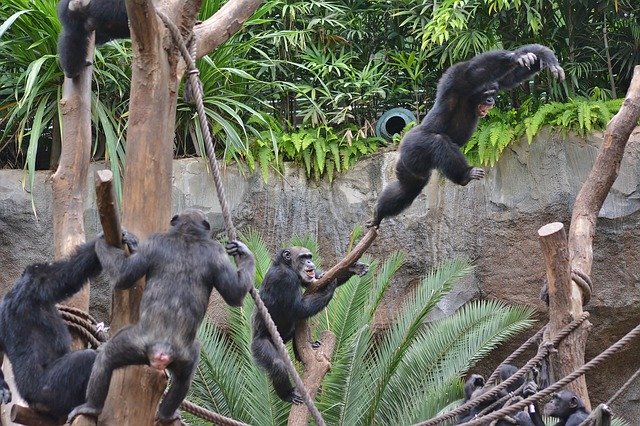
(604,172)
(223,24)
(345,263)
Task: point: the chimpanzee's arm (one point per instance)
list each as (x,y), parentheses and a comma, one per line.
(357,268)
(124,270)
(529,65)
(311,303)
(61,279)
(234,284)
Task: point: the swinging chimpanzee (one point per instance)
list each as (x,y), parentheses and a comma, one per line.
(108,18)
(465,92)
(49,376)
(181,266)
(291,270)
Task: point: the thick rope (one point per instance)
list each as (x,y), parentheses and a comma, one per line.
(83,324)
(203,413)
(226,214)
(620,344)
(522,349)
(543,351)
(584,282)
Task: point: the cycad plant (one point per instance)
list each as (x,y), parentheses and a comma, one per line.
(407,372)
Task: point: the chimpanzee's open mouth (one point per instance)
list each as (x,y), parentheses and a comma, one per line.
(483,110)
(311,273)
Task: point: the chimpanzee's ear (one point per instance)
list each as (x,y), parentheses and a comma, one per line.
(573,402)
(286,255)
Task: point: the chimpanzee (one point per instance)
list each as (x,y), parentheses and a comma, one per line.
(181,266)
(108,18)
(49,376)
(474,387)
(291,270)
(465,92)
(566,406)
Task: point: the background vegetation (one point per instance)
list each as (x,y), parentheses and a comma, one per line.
(304,81)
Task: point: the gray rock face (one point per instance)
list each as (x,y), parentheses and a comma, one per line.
(494,222)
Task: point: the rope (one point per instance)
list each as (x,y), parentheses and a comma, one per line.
(83,324)
(623,388)
(203,413)
(508,360)
(226,214)
(584,282)
(561,383)
(543,351)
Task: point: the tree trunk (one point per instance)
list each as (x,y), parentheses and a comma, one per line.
(317,362)
(135,391)
(69,180)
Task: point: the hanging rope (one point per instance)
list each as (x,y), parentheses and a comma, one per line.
(196,89)
(543,351)
(620,344)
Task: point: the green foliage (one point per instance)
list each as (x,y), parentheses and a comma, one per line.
(580,115)
(501,128)
(405,373)
(319,149)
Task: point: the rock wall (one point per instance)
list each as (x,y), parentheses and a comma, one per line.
(494,222)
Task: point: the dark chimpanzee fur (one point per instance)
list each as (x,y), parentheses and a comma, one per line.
(290,271)
(108,18)
(465,92)
(181,267)
(48,375)
(474,387)
(566,406)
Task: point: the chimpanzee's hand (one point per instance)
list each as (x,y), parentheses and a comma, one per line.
(529,389)
(359,268)
(130,240)
(5,393)
(237,248)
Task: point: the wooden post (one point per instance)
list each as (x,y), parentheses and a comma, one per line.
(69,180)
(25,416)
(565,305)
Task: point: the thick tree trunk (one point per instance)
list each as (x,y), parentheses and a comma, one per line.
(603,174)
(69,180)
(317,362)
(565,296)
(135,391)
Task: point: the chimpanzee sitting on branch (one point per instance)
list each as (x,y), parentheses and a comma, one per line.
(291,270)
(465,93)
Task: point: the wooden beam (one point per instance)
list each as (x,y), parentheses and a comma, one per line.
(107,208)
(26,416)
(565,305)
